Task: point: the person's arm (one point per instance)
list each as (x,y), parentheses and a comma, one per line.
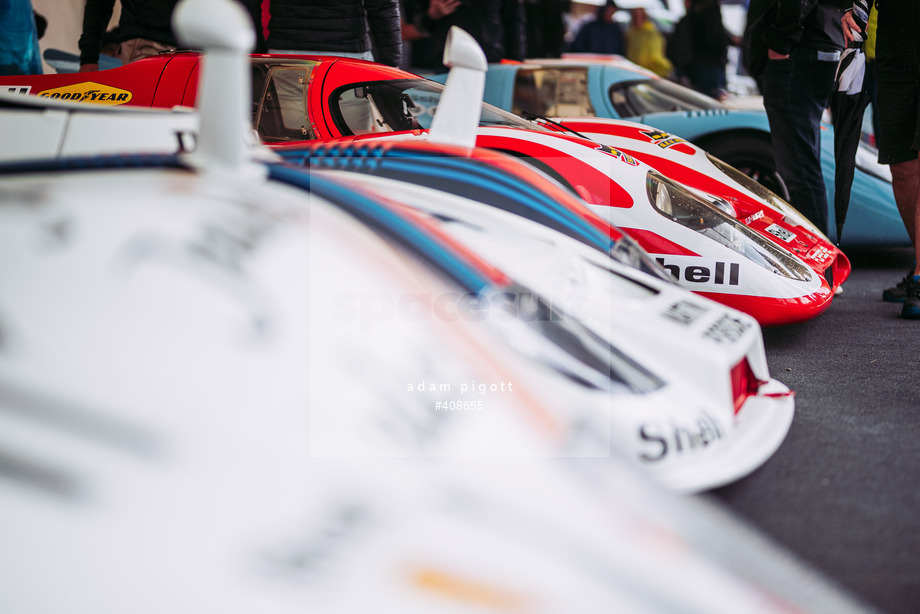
(787,27)
(96,17)
(386,31)
(433,11)
(848,22)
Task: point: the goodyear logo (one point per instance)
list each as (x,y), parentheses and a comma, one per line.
(88,92)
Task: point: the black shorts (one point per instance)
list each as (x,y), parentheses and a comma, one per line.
(899,121)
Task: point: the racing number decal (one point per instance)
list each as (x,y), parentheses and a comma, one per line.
(88,92)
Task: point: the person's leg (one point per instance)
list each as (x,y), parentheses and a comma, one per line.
(795,92)
(139,48)
(899,102)
(906,184)
(705,79)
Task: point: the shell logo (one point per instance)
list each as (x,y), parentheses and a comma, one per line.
(88,92)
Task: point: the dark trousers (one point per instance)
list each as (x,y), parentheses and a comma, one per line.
(709,79)
(795,94)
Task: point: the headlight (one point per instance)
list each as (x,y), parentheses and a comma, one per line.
(679,204)
(790,214)
(724,206)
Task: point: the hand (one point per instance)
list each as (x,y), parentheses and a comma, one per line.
(442,8)
(774,55)
(89,67)
(848,23)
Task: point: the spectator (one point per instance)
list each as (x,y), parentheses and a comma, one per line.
(797,43)
(897,71)
(602,35)
(645,44)
(710,41)
(497,25)
(144,27)
(19,51)
(364,29)
(544,27)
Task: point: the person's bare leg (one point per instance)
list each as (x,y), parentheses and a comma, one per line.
(905,181)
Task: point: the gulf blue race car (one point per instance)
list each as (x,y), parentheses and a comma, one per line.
(608,86)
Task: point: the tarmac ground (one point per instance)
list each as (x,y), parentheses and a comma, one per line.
(843,491)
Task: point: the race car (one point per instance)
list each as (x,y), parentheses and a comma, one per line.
(712,349)
(618,89)
(298,98)
(725,186)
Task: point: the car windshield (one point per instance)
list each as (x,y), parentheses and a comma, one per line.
(403,104)
(644,96)
(568,346)
(552,92)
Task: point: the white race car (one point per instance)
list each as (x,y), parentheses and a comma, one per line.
(702,346)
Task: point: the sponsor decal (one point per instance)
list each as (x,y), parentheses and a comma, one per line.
(616,153)
(727,329)
(88,92)
(721,274)
(779,231)
(662,439)
(470,591)
(684,312)
(18,89)
(662,139)
(753,217)
(819,252)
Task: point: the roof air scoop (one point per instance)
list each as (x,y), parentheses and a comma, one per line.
(457,116)
(225,32)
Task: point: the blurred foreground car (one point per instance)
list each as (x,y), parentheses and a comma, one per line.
(167,346)
(618,89)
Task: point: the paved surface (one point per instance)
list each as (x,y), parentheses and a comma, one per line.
(843,491)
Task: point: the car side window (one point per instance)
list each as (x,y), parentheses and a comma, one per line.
(552,92)
(281,112)
(384,106)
